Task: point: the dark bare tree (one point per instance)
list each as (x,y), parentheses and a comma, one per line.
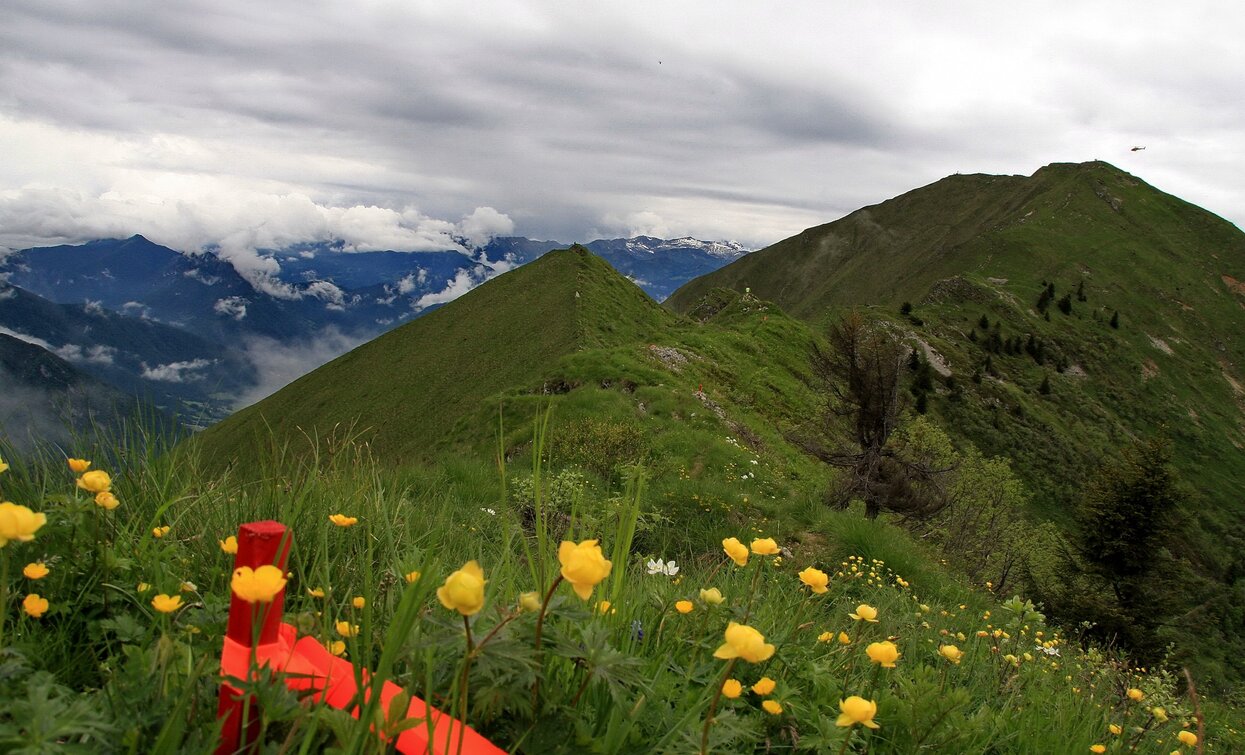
(861,372)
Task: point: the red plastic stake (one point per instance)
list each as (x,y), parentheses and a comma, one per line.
(259,543)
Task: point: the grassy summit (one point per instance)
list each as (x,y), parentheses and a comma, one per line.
(404,391)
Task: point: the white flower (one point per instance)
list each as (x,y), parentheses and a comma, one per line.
(490,512)
(669,568)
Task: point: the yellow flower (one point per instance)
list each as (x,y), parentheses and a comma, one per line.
(1097,748)
(358,602)
(229,545)
(337,647)
(744,642)
(1160,714)
(583,565)
(143,587)
(166,603)
(1136,695)
(732,688)
(341,520)
(883,653)
(411,577)
(605,607)
(816,579)
(36,570)
(35,606)
(684,606)
(844,639)
(1187,738)
(315,592)
(711,597)
(951,653)
(19,523)
(463,590)
(257,585)
(825,637)
(529,601)
(736,550)
(1115,729)
(78,466)
(764,546)
(160,531)
(865,613)
(106,500)
(764,686)
(3,467)
(772,707)
(95,481)
(346,629)
(188,587)
(857,710)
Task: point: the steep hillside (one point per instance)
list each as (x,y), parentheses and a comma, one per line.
(44,399)
(1064,316)
(405,390)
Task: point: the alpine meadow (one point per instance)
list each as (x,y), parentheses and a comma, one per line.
(961,472)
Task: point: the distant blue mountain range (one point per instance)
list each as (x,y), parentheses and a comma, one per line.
(196,337)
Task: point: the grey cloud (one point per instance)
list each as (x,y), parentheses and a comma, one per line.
(756,123)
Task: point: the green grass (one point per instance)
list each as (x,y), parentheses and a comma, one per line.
(102,671)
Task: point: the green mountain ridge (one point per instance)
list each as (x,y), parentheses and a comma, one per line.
(405,390)
(702,399)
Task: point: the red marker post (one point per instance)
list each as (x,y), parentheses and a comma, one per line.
(309,667)
(259,544)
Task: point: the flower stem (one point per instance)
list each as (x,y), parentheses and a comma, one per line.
(4,592)
(462,693)
(713,707)
(540,626)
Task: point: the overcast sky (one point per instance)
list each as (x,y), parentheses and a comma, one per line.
(398,124)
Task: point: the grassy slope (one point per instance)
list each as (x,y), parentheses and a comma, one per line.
(405,390)
(969,246)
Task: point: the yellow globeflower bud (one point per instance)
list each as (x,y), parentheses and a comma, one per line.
(346,629)
(857,710)
(744,642)
(773,707)
(411,577)
(359,602)
(229,545)
(684,606)
(951,653)
(1187,738)
(816,579)
(36,570)
(18,523)
(530,601)
(765,546)
(1136,695)
(463,590)
(764,686)
(95,481)
(844,639)
(711,597)
(160,531)
(883,653)
(736,550)
(106,500)
(732,688)
(583,565)
(865,613)
(78,466)
(341,520)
